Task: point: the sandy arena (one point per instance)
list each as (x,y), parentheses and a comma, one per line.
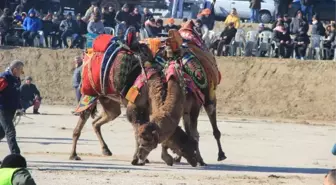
(277,119)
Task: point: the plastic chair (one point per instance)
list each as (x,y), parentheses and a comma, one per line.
(143,34)
(264,43)
(89,39)
(251,43)
(109,30)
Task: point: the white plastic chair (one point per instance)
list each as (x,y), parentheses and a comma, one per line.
(314,51)
(143,34)
(109,30)
(251,43)
(264,42)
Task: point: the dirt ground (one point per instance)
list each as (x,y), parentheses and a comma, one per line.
(250,87)
(258,151)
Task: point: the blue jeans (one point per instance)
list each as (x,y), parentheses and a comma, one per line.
(78,94)
(254,15)
(296,5)
(307,12)
(177,10)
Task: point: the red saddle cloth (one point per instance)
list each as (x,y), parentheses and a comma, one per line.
(92,67)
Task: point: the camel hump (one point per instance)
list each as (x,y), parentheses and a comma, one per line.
(102,42)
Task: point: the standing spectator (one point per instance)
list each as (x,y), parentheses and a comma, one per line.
(297,22)
(14,171)
(135,19)
(123,16)
(31,26)
(150,26)
(146,16)
(56,32)
(330,178)
(301,43)
(307,9)
(208,18)
(170,25)
(47,28)
(159,27)
(9,103)
(255,6)
(30,96)
(96,26)
(90,11)
(296,5)
(317,27)
(281,7)
(69,27)
(283,40)
(77,76)
(5,25)
(109,18)
(177,10)
(233,17)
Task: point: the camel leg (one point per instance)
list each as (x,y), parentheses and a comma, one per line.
(211,112)
(168,159)
(111,111)
(77,132)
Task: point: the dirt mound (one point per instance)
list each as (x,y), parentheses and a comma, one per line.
(51,71)
(250,86)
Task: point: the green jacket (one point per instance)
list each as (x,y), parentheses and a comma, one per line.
(15,176)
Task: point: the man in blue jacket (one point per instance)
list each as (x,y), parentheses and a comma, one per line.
(31,26)
(10,102)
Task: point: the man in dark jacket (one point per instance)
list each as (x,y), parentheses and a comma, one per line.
(47,27)
(14,171)
(225,38)
(10,103)
(301,43)
(56,40)
(109,18)
(209,16)
(6,21)
(297,22)
(123,16)
(30,96)
(317,27)
(69,28)
(31,26)
(146,16)
(135,19)
(255,6)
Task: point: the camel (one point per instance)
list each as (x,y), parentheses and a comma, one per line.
(192,105)
(111,110)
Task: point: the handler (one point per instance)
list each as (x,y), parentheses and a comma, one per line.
(10,102)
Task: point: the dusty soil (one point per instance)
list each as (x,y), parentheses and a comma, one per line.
(252,87)
(259,152)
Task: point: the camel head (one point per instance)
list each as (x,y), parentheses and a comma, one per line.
(142,52)
(148,139)
(183,145)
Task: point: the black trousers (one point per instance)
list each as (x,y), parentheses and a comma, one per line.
(285,50)
(29,37)
(300,51)
(7,129)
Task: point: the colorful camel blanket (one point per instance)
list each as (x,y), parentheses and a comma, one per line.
(85,103)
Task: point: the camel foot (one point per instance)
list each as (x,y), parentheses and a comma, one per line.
(168,160)
(202,163)
(107,152)
(75,158)
(147,161)
(177,159)
(221,156)
(135,162)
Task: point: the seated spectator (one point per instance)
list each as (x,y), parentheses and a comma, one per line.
(6,21)
(276,22)
(301,43)
(82,30)
(170,25)
(17,19)
(287,22)
(109,18)
(328,42)
(104,14)
(31,26)
(14,171)
(30,95)
(225,38)
(69,28)
(297,22)
(208,18)
(135,19)
(159,27)
(95,26)
(330,178)
(150,26)
(146,16)
(201,29)
(283,41)
(262,28)
(47,28)
(233,17)
(317,27)
(123,16)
